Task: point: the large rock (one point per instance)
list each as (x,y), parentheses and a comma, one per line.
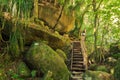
(96,67)
(36,32)
(97,75)
(44,58)
(50,14)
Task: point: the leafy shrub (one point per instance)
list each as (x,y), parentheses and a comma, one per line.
(115,47)
(117,71)
(116,56)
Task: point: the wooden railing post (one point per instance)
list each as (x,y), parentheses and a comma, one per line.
(35,13)
(84,51)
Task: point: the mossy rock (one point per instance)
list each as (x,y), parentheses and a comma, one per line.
(23,70)
(54,39)
(96,67)
(97,75)
(61,54)
(44,58)
(102,68)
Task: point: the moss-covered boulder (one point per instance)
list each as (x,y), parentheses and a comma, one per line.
(102,68)
(61,54)
(44,58)
(96,67)
(97,75)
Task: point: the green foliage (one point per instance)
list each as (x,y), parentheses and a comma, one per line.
(98,57)
(16,43)
(14,75)
(117,71)
(33,73)
(48,76)
(61,1)
(23,70)
(18,8)
(116,56)
(115,48)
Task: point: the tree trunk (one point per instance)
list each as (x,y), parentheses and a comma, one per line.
(95,25)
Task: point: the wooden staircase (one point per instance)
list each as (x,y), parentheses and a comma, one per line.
(77,62)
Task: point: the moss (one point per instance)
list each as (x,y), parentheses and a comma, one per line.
(48,76)
(61,54)
(23,70)
(44,58)
(97,75)
(102,68)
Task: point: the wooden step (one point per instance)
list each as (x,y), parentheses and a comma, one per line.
(76,49)
(78,62)
(76,73)
(76,77)
(78,69)
(77,59)
(77,55)
(78,65)
(77,52)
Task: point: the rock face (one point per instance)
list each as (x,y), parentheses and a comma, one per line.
(50,14)
(44,58)
(36,33)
